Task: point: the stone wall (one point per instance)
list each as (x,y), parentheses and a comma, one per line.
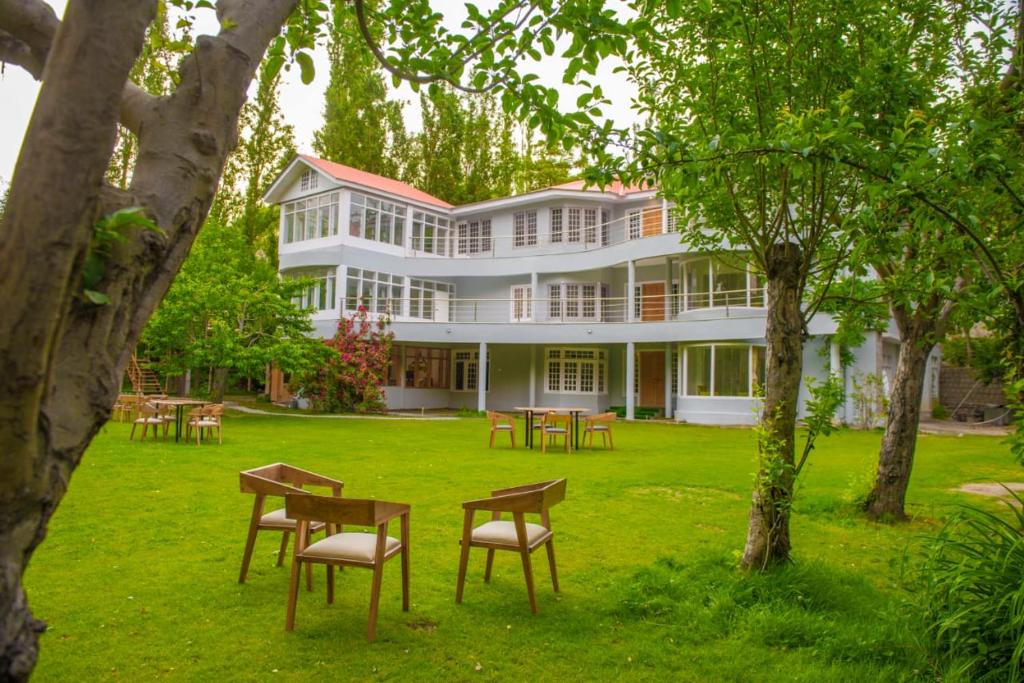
(956,383)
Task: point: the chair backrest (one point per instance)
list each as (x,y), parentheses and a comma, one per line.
(556,420)
(603,417)
(536,498)
(495,417)
(353,511)
(214,410)
(281,479)
(148,409)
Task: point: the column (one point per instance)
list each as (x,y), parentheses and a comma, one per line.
(680,369)
(668,287)
(481,379)
(664,216)
(532,399)
(405,307)
(630,293)
(630,375)
(835,359)
(534,295)
(668,380)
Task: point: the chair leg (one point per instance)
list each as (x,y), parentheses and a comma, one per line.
(250,541)
(405,578)
(524,553)
(284,548)
(132,435)
(220,436)
(491,444)
(611,442)
(293,596)
(550,545)
(330,584)
(512,433)
(309,565)
(490,563)
(467,534)
(145,426)
(378,574)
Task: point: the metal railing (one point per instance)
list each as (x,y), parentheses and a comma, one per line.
(581,309)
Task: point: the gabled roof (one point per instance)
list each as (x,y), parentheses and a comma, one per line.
(347,174)
(616,187)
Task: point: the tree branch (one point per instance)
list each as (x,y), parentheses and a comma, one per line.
(27,28)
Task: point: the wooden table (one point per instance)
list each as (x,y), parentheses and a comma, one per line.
(573,412)
(179,405)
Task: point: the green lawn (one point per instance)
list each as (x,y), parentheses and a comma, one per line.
(138,577)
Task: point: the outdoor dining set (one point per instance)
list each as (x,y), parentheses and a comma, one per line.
(306,514)
(553,424)
(158,413)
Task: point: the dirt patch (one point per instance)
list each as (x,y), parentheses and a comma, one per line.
(425,625)
(994,489)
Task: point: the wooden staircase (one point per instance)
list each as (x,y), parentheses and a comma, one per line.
(143,378)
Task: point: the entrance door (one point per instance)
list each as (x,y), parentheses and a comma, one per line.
(652,379)
(652,301)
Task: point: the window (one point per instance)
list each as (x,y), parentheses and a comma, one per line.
(394,377)
(730,287)
(590,225)
(606,222)
(467,371)
(724,370)
(698,283)
(575,371)
(376,219)
(430,300)
(431,233)
(474,237)
(556,225)
(524,229)
(377,292)
(573,232)
(320,295)
(633,224)
(672,220)
(427,367)
(311,218)
(575,301)
(713,283)
(522,303)
(309,180)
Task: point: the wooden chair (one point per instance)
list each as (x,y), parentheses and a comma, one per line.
(552,426)
(208,418)
(279,480)
(348,549)
(148,416)
(501,422)
(599,424)
(517,535)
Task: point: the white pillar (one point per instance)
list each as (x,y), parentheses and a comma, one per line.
(534,295)
(680,369)
(664,216)
(668,380)
(630,287)
(835,359)
(406,304)
(668,287)
(630,374)
(481,379)
(532,400)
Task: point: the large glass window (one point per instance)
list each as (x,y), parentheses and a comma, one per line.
(730,285)
(431,233)
(430,300)
(575,301)
(724,370)
(320,295)
(467,371)
(556,225)
(427,367)
(377,292)
(714,283)
(524,229)
(575,371)
(522,303)
(312,218)
(474,237)
(376,219)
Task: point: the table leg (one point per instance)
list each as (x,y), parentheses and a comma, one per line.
(177,424)
(529,429)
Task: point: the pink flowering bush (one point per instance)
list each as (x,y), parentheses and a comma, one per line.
(353,378)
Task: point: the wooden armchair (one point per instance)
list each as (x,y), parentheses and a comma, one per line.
(500,422)
(599,424)
(148,415)
(208,418)
(517,535)
(353,549)
(279,480)
(553,425)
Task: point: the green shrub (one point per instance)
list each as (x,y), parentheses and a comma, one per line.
(939,411)
(971,589)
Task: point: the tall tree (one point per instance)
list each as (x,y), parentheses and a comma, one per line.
(62,351)
(362,128)
(540,165)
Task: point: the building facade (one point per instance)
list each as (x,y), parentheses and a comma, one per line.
(560,297)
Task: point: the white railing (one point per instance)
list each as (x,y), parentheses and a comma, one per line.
(587,310)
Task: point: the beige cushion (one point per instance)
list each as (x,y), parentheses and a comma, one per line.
(504,533)
(505,427)
(357,546)
(149,420)
(597,428)
(278,520)
(206,423)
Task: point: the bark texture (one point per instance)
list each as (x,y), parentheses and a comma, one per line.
(768,541)
(61,357)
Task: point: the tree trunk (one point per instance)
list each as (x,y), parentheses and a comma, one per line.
(220,383)
(896,457)
(768,531)
(186,383)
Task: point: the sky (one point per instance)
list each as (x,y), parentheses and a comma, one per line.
(302,105)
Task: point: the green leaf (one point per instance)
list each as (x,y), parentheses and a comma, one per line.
(98,298)
(306,65)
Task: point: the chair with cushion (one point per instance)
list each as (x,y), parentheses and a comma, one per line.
(279,480)
(517,535)
(553,426)
(208,418)
(599,424)
(501,422)
(348,548)
(148,416)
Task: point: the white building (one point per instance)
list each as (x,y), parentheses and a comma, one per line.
(562,296)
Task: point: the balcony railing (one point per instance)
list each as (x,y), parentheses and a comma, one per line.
(584,310)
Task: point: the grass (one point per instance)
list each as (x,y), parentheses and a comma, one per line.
(138,577)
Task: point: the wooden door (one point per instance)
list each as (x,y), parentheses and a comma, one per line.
(652,301)
(651,221)
(652,379)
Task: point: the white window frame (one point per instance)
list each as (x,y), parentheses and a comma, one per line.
(751,379)
(521,297)
(556,212)
(471,359)
(441,242)
(308,180)
(560,302)
(559,358)
(314,210)
(417,293)
(326,287)
(398,213)
(524,229)
(754,296)
(368,289)
(474,237)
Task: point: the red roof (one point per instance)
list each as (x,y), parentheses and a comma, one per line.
(374,181)
(616,187)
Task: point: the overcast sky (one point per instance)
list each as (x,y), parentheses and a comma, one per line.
(301,104)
